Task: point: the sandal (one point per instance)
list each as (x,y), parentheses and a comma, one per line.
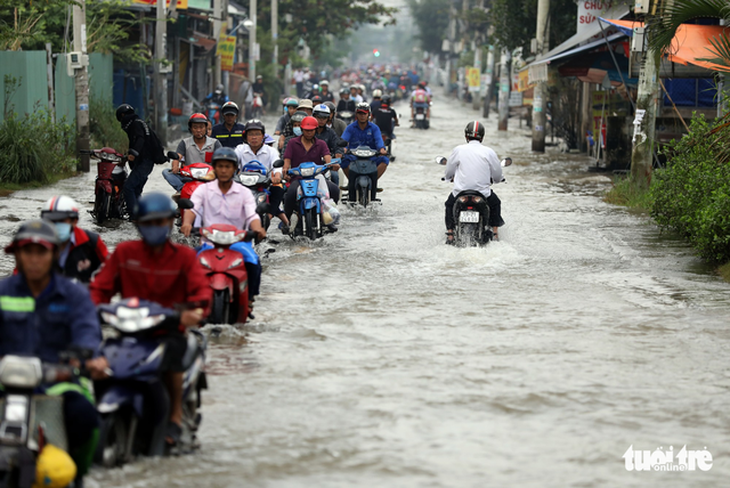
(173,434)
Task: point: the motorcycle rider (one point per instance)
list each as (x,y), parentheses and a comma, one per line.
(305,105)
(386,118)
(258,87)
(43,314)
(223,202)
(145,150)
(302,149)
(375,104)
(290,106)
(420,99)
(336,124)
(322,114)
(255,149)
(293,129)
(346,104)
(198,148)
(325,93)
(230,132)
(81,252)
(355,94)
(156,269)
(362,132)
(473,166)
(217,96)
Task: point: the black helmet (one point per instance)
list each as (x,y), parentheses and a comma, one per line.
(225,154)
(386,99)
(255,124)
(124,109)
(474,130)
(298,116)
(155,206)
(332,107)
(35,232)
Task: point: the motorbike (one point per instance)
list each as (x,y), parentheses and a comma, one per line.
(471,215)
(347,116)
(133,401)
(110,179)
(420,117)
(213,112)
(32,422)
(363,176)
(256,178)
(309,208)
(257,106)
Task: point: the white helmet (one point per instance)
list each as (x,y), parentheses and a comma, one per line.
(321,109)
(377,93)
(60,208)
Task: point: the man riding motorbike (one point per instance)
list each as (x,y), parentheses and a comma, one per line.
(217,96)
(290,106)
(346,104)
(420,99)
(223,202)
(255,149)
(362,132)
(336,124)
(229,133)
(326,94)
(198,148)
(43,314)
(473,166)
(156,269)
(81,252)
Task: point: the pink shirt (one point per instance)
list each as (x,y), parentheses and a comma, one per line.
(237,207)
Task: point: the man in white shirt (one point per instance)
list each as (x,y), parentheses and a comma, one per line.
(299,81)
(473,166)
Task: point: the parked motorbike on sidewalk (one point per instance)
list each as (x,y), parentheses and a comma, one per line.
(471,215)
(311,194)
(134,404)
(32,423)
(256,178)
(110,179)
(363,176)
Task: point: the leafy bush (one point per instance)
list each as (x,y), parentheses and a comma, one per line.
(34,148)
(692,194)
(104,126)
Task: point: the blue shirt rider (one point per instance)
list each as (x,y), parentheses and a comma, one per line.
(43,314)
(362,132)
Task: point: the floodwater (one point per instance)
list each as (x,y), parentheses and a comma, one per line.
(381,357)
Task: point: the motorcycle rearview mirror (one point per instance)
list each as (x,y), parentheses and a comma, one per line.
(506,162)
(185,203)
(279,163)
(173,155)
(440,160)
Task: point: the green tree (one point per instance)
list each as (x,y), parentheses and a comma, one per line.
(514,22)
(432,20)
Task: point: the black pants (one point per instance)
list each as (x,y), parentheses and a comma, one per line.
(276,193)
(495,211)
(134,185)
(290,198)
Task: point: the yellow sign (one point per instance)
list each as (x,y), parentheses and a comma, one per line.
(227,51)
(181,4)
(473,78)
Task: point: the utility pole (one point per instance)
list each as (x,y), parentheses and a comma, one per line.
(476,96)
(81,80)
(504,87)
(217,24)
(646,105)
(160,70)
(450,51)
(252,51)
(490,82)
(275,38)
(538,104)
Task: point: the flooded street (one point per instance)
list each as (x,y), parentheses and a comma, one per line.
(381,357)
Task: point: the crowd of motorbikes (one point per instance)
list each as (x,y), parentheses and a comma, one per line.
(132,401)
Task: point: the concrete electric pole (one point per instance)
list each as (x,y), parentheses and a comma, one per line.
(160,72)
(252,51)
(540,95)
(81,80)
(504,87)
(275,38)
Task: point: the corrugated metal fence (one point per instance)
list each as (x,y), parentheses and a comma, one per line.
(29,68)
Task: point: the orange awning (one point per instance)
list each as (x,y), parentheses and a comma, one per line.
(691,43)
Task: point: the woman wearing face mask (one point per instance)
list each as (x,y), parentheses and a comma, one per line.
(293,129)
(81,252)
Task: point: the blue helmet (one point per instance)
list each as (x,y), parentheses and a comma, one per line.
(155,206)
(225,154)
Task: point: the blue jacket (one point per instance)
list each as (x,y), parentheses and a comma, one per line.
(63,315)
(370,137)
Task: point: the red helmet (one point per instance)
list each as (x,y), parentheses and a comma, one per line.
(309,123)
(197,119)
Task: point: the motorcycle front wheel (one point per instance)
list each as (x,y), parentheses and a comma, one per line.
(102,206)
(311,219)
(220,312)
(112,444)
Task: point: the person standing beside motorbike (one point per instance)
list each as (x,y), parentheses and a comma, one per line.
(473,166)
(81,252)
(230,132)
(302,149)
(198,148)
(44,314)
(156,269)
(362,132)
(145,151)
(255,149)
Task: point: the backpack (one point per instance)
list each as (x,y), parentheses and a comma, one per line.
(152,143)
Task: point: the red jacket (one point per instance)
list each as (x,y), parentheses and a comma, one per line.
(173,277)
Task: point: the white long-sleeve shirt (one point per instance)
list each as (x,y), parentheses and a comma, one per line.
(473,167)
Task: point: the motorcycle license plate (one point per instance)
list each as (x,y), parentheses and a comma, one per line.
(469,217)
(420,116)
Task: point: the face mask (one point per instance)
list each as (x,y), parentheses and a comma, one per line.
(154,235)
(64,230)
(297,131)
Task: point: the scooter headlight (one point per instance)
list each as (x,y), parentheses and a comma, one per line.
(306,172)
(248,179)
(221,237)
(20,372)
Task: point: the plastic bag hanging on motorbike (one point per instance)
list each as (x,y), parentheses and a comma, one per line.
(331,213)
